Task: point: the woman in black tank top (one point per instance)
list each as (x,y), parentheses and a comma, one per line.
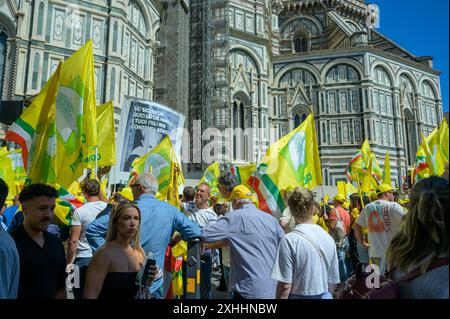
(113,269)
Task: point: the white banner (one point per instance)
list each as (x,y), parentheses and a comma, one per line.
(143,124)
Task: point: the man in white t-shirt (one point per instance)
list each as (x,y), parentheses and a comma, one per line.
(382,219)
(202,215)
(78,249)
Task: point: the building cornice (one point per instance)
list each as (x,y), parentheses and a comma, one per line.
(295,57)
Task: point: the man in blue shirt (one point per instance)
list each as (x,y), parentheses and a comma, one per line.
(9,257)
(253,237)
(159,221)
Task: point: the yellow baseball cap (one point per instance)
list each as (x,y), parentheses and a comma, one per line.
(127,193)
(383,188)
(340,198)
(241,192)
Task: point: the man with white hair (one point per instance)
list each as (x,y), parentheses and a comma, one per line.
(202,215)
(159,221)
(253,237)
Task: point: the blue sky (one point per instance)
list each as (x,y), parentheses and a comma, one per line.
(422,28)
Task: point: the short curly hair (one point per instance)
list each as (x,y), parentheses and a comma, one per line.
(91,187)
(300,203)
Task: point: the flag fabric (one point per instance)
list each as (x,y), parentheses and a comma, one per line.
(368,177)
(243,173)
(342,188)
(76,116)
(159,162)
(356,166)
(66,203)
(210,177)
(7,174)
(20,174)
(430,157)
(367,156)
(291,161)
(30,130)
(106,138)
(443,139)
(387,171)
(35,132)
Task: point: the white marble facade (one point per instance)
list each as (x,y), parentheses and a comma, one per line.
(286,57)
(40,33)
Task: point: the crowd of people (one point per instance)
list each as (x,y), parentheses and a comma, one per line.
(305,254)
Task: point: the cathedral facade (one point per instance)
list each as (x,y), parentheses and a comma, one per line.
(35,35)
(286,59)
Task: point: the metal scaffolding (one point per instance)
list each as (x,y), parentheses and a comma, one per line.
(209,90)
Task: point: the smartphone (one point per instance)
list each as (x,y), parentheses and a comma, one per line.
(150,262)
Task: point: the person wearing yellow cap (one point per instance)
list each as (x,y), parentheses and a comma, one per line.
(253,237)
(123,195)
(382,220)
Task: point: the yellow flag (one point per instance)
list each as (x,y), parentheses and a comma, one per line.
(7,174)
(434,157)
(243,173)
(76,115)
(158,161)
(387,170)
(210,177)
(367,155)
(290,162)
(351,189)
(367,181)
(42,164)
(106,138)
(443,139)
(342,188)
(74,188)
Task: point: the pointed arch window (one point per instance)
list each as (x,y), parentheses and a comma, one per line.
(115,36)
(40,21)
(34,79)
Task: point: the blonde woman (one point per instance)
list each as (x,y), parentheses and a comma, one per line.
(113,269)
(420,249)
(306,265)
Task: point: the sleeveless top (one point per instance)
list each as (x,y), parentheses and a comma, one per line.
(119,285)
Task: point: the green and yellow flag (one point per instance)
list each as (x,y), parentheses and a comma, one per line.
(368,177)
(291,161)
(158,161)
(76,116)
(7,174)
(106,138)
(210,177)
(243,173)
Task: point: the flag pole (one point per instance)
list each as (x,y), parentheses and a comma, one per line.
(96,162)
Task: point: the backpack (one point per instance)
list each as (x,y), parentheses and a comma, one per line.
(355,287)
(338,233)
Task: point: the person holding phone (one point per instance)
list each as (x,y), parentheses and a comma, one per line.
(114,267)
